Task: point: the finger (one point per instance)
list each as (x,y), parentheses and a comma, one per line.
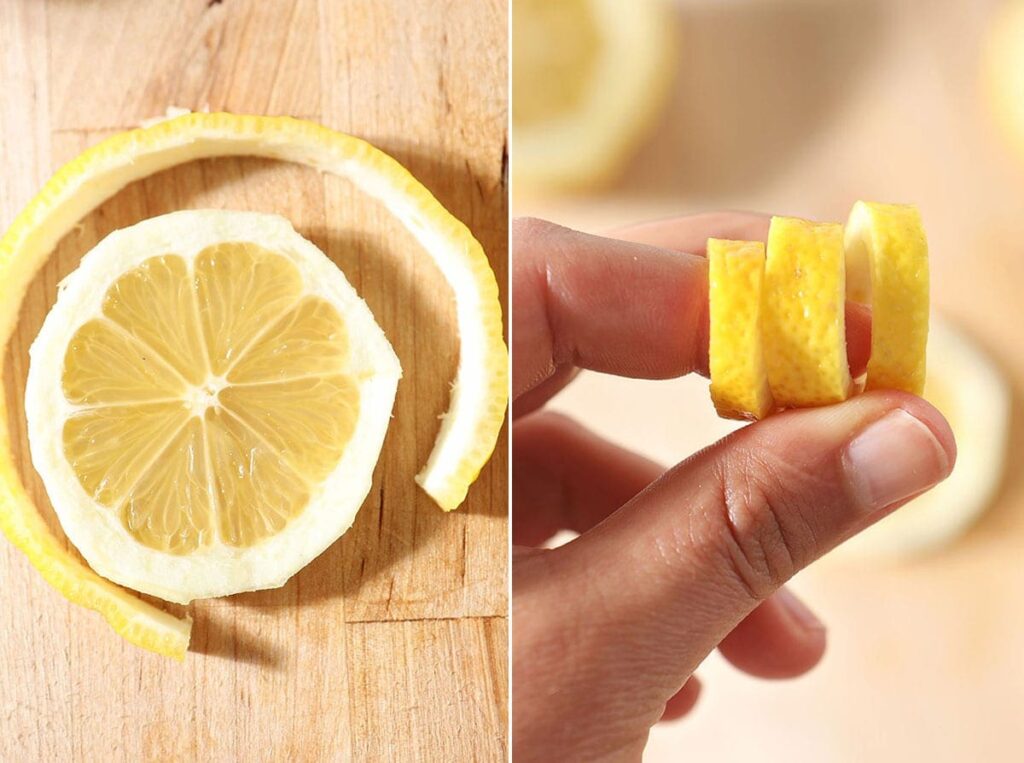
(669,575)
(683,701)
(781,638)
(581,301)
(588,480)
(564,477)
(690,233)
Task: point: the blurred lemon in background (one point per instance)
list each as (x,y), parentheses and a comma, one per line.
(973,395)
(588,79)
(1004,71)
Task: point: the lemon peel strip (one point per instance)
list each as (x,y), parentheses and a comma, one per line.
(469,429)
(739,380)
(887,267)
(804,323)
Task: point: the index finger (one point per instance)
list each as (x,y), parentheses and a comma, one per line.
(622,307)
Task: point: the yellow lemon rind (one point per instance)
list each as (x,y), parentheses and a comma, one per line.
(739,381)
(804,325)
(887,266)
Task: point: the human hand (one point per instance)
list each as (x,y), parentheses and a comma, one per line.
(608,629)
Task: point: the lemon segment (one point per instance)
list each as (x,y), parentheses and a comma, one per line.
(887,266)
(739,380)
(154,305)
(804,324)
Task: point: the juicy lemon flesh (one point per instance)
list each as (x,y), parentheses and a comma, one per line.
(208,398)
(556,48)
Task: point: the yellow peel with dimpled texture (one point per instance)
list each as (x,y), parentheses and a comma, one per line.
(804,313)
(887,266)
(739,379)
(884,258)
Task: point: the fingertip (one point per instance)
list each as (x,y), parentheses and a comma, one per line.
(920,409)
(683,701)
(933,418)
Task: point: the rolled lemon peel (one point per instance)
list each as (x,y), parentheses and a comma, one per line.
(804,325)
(470,428)
(739,379)
(794,356)
(887,267)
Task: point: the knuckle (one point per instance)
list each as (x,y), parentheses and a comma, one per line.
(763,519)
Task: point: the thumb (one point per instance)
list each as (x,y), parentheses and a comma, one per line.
(686,560)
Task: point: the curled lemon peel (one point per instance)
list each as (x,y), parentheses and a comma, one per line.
(470,428)
(804,326)
(794,354)
(739,379)
(887,267)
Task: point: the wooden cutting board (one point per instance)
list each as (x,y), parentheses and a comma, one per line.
(392,644)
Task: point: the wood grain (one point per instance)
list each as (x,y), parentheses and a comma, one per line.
(392,644)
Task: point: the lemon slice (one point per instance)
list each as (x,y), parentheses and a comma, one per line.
(588,77)
(468,431)
(974,396)
(206,403)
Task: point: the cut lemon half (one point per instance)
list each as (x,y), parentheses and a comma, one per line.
(468,431)
(588,77)
(206,402)
(973,395)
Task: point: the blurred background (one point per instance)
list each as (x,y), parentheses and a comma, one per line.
(626,111)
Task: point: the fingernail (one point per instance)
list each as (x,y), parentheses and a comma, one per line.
(798,611)
(892,459)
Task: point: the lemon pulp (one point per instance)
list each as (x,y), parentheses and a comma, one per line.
(208,398)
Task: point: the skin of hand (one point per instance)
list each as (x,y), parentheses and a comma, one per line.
(608,629)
